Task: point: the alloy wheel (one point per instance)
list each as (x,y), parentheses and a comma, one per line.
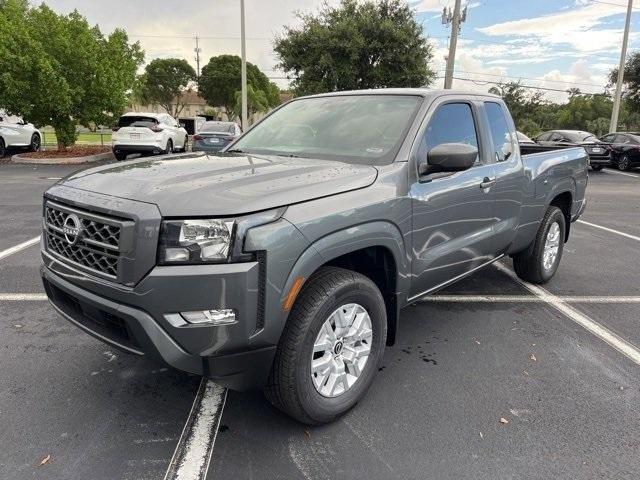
(341,350)
(551,246)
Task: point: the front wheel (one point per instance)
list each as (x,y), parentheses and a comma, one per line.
(169,148)
(330,348)
(624,163)
(597,168)
(540,263)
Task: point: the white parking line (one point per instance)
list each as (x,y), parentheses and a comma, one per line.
(623,346)
(22,297)
(611,230)
(19,247)
(192,456)
(530,299)
(622,173)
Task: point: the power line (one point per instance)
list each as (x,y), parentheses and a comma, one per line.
(488,82)
(566,82)
(187,37)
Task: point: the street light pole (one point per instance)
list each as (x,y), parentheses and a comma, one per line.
(613,126)
(245,124)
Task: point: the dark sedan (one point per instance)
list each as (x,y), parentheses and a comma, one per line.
(214,136)
(599,152)
(625,149)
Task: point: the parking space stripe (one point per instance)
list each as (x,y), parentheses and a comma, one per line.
(611,230)
(623,346)
(530,299)
(22,297)
(622,173)
(19,247)
(193,453)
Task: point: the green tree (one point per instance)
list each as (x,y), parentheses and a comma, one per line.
(165,79)
(58,70)
(630,79)
(257,102)
(220,79)
(356,46)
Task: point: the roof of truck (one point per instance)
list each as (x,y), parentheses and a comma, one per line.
(424,92)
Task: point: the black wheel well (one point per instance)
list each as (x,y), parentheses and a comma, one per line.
(564,201)
(379,265)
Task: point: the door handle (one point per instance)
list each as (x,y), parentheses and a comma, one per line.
(487,182)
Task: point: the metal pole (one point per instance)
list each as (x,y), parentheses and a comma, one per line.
(197,50)
(245,125)
(613,126)
(455,28)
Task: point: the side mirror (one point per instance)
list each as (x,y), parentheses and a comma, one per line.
(449,157)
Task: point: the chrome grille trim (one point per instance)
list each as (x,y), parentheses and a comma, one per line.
(98,246)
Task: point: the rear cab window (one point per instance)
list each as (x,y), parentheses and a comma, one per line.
(503,144)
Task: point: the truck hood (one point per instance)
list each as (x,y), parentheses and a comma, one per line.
(222,184)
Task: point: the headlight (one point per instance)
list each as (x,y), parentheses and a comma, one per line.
(195,241)
(209,240)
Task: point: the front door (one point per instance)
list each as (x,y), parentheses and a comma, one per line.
(452,213)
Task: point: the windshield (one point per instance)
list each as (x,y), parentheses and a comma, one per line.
(581,136)
(220,127)
(350,128)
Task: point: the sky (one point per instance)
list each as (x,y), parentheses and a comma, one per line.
(553,44)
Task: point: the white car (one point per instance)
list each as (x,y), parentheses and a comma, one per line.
(148,133)
(16,133)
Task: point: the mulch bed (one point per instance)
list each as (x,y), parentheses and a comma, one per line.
(71,152)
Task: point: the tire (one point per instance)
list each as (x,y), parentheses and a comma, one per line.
(120,156)
(529,265)
(35,144)
(186,144)
(169,148)
(292,387)
(624,163)
(597,168)
(3,149)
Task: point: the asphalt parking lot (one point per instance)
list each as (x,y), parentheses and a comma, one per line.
(560,367)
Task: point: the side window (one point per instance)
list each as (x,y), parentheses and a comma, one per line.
(608,138)
(451,123)
(556,137)
(543,137)
(500,133)
(622,139)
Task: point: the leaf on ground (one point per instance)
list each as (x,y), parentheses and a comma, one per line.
(533,358)
(45,460)
(503,420)
(481,435)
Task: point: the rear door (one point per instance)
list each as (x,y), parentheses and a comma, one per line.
(452,212)
(510,187)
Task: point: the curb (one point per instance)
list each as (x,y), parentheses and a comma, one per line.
(63,161)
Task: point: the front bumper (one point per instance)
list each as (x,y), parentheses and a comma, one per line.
(133,319)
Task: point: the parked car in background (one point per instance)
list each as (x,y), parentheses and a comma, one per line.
(599,152)
(523,139)
(625,149)
(147,133)
(284,263)
(15,132)
(214,136)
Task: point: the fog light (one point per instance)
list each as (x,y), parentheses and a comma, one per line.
(214,317)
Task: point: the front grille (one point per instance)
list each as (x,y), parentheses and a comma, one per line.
(96,246)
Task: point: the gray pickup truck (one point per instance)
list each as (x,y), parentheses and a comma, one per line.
(283,262)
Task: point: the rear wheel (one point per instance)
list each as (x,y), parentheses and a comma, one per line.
(624,163)
(540,263)
(330,348)
(34,146)
(120,156)
(3,149)
(597,168)
(185,144)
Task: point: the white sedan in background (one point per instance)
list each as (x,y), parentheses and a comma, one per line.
(148,133)
(16,133)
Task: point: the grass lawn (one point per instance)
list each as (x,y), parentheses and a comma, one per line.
(88,138)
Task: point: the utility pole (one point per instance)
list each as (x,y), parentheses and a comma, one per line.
(197,50)
(245,123)
(455,19)
(613,126)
